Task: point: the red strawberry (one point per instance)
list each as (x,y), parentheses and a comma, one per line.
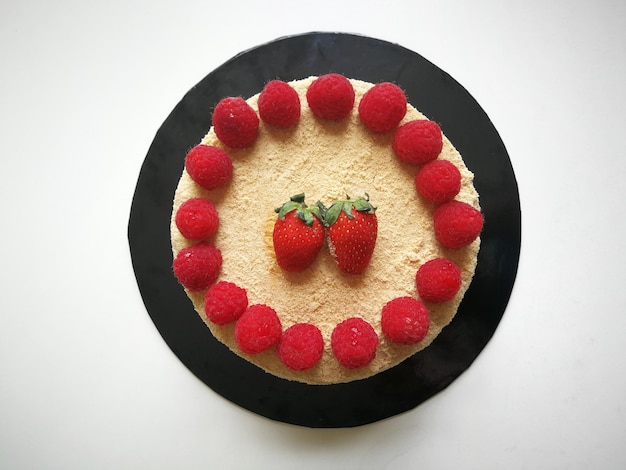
(352,230)
(298,234)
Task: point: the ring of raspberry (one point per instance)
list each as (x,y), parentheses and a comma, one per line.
(404,320)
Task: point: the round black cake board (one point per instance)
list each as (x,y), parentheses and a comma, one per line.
(418,378)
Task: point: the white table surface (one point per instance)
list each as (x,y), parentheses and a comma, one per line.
(87,382)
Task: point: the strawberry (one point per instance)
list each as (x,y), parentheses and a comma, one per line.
(298,234)
(352,228)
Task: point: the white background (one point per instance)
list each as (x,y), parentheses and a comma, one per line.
(87,382)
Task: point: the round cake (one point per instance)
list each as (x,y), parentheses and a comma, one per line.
(338,158)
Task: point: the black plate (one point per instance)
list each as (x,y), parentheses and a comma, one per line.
(418,378)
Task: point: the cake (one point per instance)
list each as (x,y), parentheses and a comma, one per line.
(307,149)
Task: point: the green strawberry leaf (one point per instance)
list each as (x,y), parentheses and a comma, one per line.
(305,213)
(332,213)
(347,209)
(305,216)
(364,205)
(299,198)
(286,208)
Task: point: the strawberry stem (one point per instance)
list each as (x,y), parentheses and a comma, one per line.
(306,214)
(360,204)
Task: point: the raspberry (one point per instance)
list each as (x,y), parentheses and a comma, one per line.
(197,219)
(210,167)
(331,97)
(225,302)
(235,122)
(405,320)
(438,181)
(301,346)
(257,329)
(279,104)
(354,343)
(418,141)
(457,224)
(438,280)
(382,107)
(197,267)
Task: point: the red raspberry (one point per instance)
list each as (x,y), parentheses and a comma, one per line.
(457,224)
(382,107)
(257,329)
(279,104)
(418,141)
(438,181)
(235,122)
(438,280)
(301,346)
(405,320)
(210,167)
(197,219)
(225,302)
(197,267)
(331,97)
(354,343)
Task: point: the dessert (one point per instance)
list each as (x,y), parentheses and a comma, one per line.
(333,163)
